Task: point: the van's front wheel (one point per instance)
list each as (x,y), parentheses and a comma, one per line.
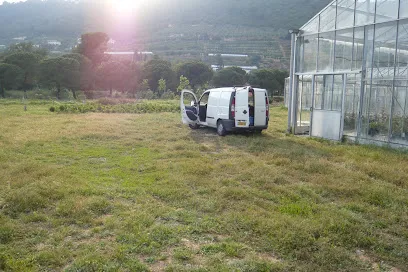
(221,129)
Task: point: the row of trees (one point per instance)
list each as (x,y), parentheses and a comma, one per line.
(23,66)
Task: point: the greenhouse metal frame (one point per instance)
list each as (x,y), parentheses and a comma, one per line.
(349,73)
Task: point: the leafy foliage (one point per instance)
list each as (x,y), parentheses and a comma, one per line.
(156,70)
(184,84)
(272,80)
(60,73)
(93,46)
(29,63)
(197,72)
(11,76)
(113,75)
(126,107)
(230,77)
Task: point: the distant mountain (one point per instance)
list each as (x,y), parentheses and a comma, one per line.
(70,18)
(170,27)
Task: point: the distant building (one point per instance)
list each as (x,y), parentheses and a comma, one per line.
(111,42)
(131,56)
(229,55)
(54,42)
(20,38)
(247,69)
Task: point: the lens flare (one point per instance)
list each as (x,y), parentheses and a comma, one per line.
(123,7)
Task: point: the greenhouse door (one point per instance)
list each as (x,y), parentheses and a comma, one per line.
(327,117)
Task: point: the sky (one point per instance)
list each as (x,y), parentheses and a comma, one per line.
(11,1)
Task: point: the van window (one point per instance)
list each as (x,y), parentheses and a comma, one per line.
(188,99)
(204,99)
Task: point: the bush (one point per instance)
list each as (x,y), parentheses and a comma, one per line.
(115,101)
(145,95)
(110,107)
(52,109)
(168,95)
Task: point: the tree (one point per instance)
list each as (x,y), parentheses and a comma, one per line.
(197,72)
(93,46)
(11,76)
(184,84)
(60,73)
(162,86)
(144,87)
(28,62)
(220,61)
(87,74)
(229,77)
(113,75)
(26,47)
(272,80)
(255,60)
(157,69)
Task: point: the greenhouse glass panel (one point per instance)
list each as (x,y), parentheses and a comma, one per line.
(387,10)
(318,95)
(328,92)
(326,51)
(328,18)
(345,13)
(400,113)
(358,48)
(402,54)
(384,51)
(304,101)
(400,103)
(344,50)
(379,96)
(312,27)
(352,104)
(308,53)
(368,43)
(368,40)
(404,9)
(365,12)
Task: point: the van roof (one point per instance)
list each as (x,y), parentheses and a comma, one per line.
(232,89)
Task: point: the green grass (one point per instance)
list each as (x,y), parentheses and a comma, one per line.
(141,192)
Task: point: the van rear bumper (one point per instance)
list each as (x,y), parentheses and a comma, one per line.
(230,127)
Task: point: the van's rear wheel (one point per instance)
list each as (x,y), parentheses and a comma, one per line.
(221,129)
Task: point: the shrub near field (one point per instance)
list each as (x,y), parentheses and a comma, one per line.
(118,106)
(141,192)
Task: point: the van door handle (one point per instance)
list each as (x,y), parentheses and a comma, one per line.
(245,112)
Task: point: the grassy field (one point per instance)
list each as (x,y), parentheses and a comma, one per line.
(141,192)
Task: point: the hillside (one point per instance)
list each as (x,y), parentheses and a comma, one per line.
(175,29)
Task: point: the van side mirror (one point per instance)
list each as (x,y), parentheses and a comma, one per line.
(193,103)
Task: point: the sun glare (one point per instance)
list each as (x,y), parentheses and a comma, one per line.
(124,6)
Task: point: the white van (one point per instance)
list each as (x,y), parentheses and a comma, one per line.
(227,109)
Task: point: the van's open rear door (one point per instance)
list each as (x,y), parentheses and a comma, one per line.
(241,108)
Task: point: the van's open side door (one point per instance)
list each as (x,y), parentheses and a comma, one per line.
(241,108)
(189,108)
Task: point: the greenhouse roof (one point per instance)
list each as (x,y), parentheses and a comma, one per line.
(344,14)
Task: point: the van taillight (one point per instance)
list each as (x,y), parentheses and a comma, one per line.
(233,108)
(267,106)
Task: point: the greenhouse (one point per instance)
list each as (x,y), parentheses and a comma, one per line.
(349,73)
